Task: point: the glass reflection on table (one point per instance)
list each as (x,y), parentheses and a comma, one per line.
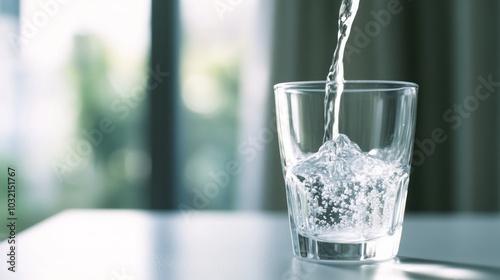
(397,268)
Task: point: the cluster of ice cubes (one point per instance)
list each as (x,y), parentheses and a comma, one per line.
(343,194)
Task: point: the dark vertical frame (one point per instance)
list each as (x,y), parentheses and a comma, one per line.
(163,103)
(10,7)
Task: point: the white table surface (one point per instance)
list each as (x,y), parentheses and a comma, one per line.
(133,245)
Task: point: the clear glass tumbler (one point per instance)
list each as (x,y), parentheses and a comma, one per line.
(346,196)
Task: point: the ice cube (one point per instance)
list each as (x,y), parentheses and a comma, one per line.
(341,189)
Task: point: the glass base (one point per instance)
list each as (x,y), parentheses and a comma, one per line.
(382,248)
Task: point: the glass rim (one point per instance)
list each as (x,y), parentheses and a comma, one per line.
(389,84)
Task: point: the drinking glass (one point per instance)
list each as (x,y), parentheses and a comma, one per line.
(346,195)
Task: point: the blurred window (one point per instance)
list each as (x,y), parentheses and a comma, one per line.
(76,73)
(215,39)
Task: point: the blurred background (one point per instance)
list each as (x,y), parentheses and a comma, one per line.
(151,104)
